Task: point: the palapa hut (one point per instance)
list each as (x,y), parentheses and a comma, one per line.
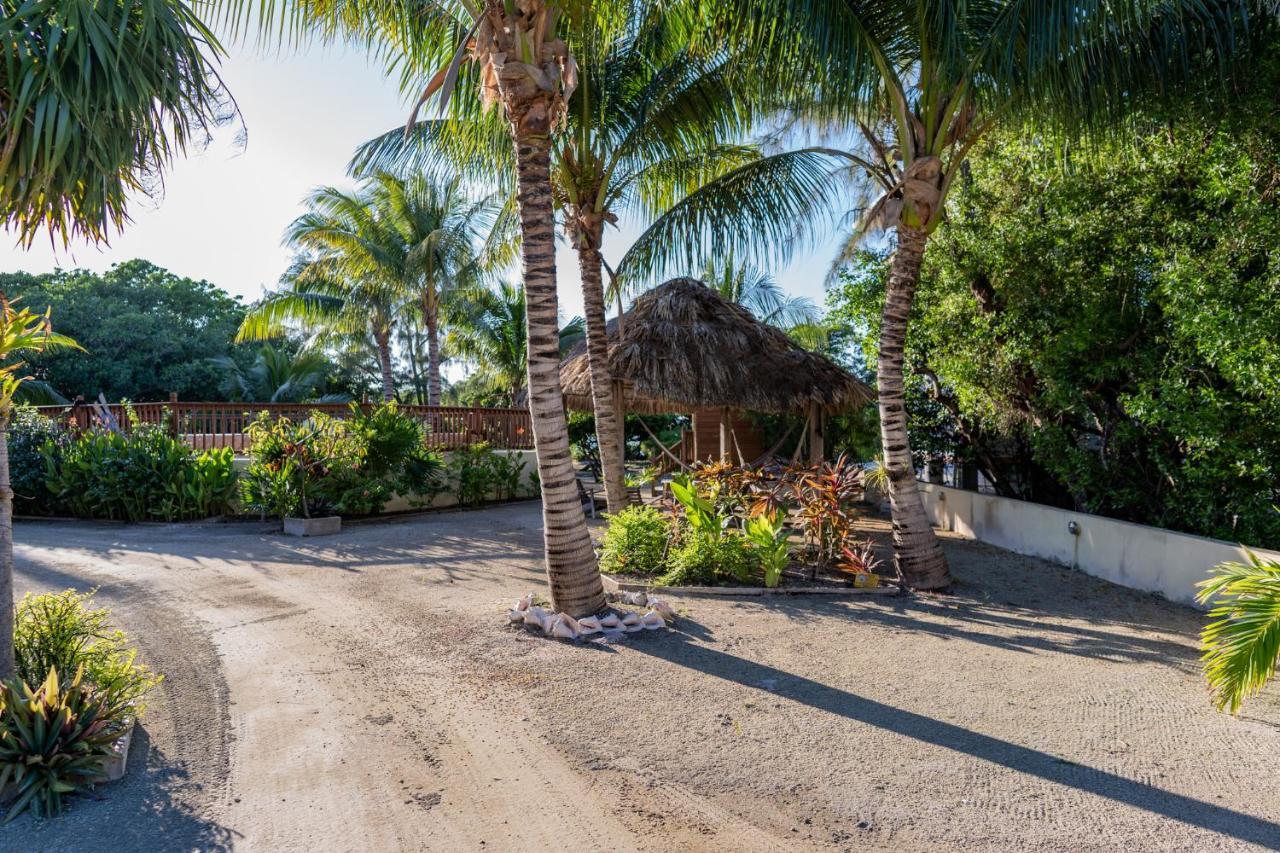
(684,349)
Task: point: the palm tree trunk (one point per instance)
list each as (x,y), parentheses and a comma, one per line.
(433,358)
(6,555)
(916,550)
(576,587)
(383,340)
(609,432)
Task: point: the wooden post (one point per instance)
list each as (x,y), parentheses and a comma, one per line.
(725,426)
(80,414)
(173,414)
(817,446)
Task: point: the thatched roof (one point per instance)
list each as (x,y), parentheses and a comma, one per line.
(685,347)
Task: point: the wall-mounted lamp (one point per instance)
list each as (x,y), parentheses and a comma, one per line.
(1073,528)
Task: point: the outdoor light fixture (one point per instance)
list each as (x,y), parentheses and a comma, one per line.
(1073,527)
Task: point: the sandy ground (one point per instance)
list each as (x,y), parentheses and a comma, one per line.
(361,693)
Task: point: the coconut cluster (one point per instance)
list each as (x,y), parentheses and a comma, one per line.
(609,625)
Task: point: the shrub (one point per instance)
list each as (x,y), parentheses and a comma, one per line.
(711,560)
(327,465)
(135,476)
(32,437)
(473,473)
(62,631)
(635,542)
(55,740)
(768,533)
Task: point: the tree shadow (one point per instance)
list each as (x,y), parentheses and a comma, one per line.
(1139,795)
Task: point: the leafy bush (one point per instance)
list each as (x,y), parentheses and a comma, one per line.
(710,560)
(135,476)
(55,740)
(348,467)
(64,632)
(32,437)
(635,542)
(768,533)
(477,472)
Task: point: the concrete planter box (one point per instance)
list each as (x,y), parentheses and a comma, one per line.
(616,584)
(325,526)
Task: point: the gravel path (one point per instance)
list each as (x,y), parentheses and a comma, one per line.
(360,693)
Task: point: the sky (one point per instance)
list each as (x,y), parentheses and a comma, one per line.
(224,208)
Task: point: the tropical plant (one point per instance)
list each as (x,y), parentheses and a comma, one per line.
(138,474)
(769,533)
(63,631)
(277,376)
(21,333)
(702,514)
(291,461)
(921,87)
(32,436)
(55,740)
(635,542)
(648,120)
(95,99)
(487,328)
(758,292)
(712,560)
(1242,644)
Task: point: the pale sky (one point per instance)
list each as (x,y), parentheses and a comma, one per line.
(224,209)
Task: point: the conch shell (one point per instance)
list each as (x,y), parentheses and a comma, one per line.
(653,621)
(589,625)
(632,622)
(536,616)
(564,627)
(610,621)
(515,616)
(663,609)
(523,604)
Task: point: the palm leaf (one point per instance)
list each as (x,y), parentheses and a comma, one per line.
(1242,643)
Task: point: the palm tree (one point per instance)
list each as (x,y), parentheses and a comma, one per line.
(318,294)
(488,329)
(21,331)
(85,120)
(95,100)
(276,376)
(758,292)
(920,86)
(1242,645)
(649,120)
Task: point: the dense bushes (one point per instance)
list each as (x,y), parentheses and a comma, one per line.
(327,466)
(729,525)
(141,475)
(32,437)
(57,737)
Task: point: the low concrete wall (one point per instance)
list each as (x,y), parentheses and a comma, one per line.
(1146,558)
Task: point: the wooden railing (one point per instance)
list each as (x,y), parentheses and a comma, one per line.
(212,425)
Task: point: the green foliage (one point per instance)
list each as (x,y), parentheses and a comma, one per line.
(55,740)
(347,466)
(96,99)
(146,332)
(768,532)
(1104,339)
(30,433)
(635,542)
(1242,644)
(477,472)
(700,513)
(62,631)
(278,376)
(137,476)
(711,560)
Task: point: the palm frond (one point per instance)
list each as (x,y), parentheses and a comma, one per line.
(1241,644)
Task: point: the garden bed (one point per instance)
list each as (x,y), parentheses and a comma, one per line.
(801,580)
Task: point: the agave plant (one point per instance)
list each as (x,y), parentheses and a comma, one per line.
(1242,644)
(54,740)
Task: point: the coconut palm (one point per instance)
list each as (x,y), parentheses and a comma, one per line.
(1242,643)
(758,292)
(95,99)
(487,328)
(649,121)
(21,331)
(920,85)
(276,376)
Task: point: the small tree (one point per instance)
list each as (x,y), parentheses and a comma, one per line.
(21,331)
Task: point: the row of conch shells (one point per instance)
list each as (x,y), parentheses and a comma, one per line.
(611,624)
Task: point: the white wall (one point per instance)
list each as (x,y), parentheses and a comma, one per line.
(1146,558)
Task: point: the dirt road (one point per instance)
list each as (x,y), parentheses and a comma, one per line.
(360,693)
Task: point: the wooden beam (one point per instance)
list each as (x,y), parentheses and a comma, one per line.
(724,434)
(817,443)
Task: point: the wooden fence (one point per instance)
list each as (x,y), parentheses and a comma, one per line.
(212,425)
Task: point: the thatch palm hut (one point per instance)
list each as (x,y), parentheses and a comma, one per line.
(683,348)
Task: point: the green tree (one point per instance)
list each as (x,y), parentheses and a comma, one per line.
(146,331)
(95,99)
(487,328)
(922,85)
(649,120)
(278,376)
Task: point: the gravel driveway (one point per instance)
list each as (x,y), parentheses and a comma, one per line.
(361,693)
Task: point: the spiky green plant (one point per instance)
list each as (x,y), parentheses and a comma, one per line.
(55,740)
(1241,644)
